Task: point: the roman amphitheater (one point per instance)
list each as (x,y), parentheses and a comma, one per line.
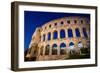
(58,38)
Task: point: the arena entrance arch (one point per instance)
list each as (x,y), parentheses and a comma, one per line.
(62,48)
(54,49)
(80,45)
(71,45)
(47,48)
(71,48)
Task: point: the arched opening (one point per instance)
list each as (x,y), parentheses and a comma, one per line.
(70,33)
(77,32)
(62,33)
(62,48)
(71,45)
(80,45)
(49,36)
(55,35)
(68,21)
(85,33)
(54,49)
(62,22)
(47,48)
(71,48)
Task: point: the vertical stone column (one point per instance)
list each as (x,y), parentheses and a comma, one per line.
(81,32)
(76,47)
(38,53)
(50,50)
(58,34)
(51,35)
(44,51)
(66,33)
(58,51)
(41,38)
(39,50)
(58,45)
(66,48)
(73,31)
(46,36)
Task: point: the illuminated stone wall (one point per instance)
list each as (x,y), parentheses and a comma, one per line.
(57,38)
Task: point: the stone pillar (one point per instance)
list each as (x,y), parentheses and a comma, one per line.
(51,35)
(39,50)
(41,38)
(73,32)
(66,49)
(50,50)
(46,37)
(81,32)
(58,34)
(44,51)
(58,50)
(77,49)
(66,33)
(38,53)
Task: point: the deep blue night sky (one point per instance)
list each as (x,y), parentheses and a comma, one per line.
(33,19)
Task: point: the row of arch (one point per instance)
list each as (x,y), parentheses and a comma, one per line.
(63,35)
(68,22)
(62,48)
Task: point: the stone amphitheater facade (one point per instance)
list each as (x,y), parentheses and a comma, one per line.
(58,38)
